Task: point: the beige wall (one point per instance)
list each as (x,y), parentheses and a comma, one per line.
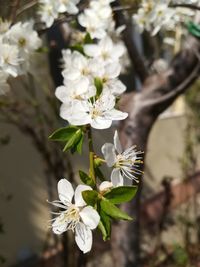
(25,216)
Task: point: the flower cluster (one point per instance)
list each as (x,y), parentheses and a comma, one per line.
(156,15)
(91,85)
(17,43)
(50,9)
(97,18)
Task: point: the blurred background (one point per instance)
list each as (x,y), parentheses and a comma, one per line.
(166,228)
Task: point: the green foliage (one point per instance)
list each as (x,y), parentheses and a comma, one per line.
(112,211)
(99,173)
(88,39)
(86,179)
(99,86)
(63,134)
(105,206)
(90,197)
(194,29)
(73,137)
(43,49)
(121,194)
(105,225)
(180,256)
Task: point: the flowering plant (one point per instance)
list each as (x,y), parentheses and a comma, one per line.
(89,97)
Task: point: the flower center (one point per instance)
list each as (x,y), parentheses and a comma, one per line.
(123,161)
(71,217)
(22,42)
(105,55)
(95,112)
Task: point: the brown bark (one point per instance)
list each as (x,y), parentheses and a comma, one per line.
(157,94)
(153,208)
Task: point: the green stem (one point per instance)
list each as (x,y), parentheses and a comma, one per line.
(91,154)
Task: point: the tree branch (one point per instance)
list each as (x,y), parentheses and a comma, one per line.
(127,34)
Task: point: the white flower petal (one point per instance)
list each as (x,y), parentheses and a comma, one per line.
(101,123)
(90,217)
(65,191)
(83,237)
(108,151)
(62,94)
(59,225)
(105,186)
(115,114)
(113,70)
(117,143)
(92,50)
(79,201)
(116,178)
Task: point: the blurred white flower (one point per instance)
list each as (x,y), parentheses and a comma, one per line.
(24,37)
(75,90)
(124,163)
(4,86)
(77,217)
(98,113)
(92,23)
(105,50)
(50,9)
(78,67)
(108,76)
(48,12)
(68,6)
(156,15)
(4,26)
(97,18)
(9,59)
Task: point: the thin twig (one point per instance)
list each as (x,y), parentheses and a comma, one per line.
(190,6)
(14,8)
(26,7)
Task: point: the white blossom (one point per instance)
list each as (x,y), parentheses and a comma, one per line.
(78,217)
(9,59)
(50,9)
(109,75)
(97,18)
(24,37)
(105,50)
(75,90)
(98,113)
(48,12)
(77,67)
(124,163)
(156,15)
(4,26)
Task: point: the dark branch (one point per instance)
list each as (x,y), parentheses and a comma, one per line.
(135,57)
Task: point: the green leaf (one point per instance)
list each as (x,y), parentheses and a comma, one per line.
(88,39)
(80,144)
(121,194)
(78,147)
(112,211)
(194,29)
(99,174)
(86,179)
(90,197)
(99,86)
(105,225)
(78,47)
(63,134)
(43,49)
(74,139)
